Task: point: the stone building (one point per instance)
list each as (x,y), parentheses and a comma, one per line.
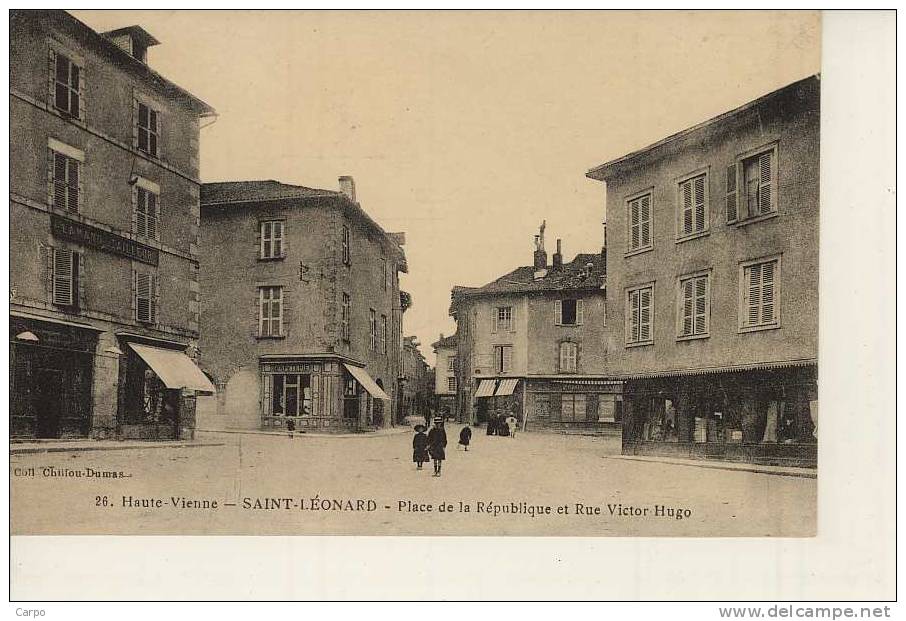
(415,389)
(713,283)
(301,307)
(533,343)
(445,386)
(104,208)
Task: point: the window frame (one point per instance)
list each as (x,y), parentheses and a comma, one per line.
(680,305)
(152,297)
(155,112)
(75,261)
(451,383)
(271,239)
(148,188)
(628,315)
(506,310)
(500,359)
(345,316)
(741,203)
(637,196)
(383,334)
(579,312)
(451,364)
(270,319)
(70,155)
(372,328)
(681,235)
(574,358)
(742,309)
(56,51)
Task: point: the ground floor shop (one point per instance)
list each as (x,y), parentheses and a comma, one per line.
(760,415)
(72,379)
(320,394)
(558,403)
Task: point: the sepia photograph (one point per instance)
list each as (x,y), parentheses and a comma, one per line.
(415,273)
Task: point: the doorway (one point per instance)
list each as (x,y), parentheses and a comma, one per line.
(47,393)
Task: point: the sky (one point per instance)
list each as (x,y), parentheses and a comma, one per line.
(463,129)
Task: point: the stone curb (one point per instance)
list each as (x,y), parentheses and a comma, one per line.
(108,447)
(283,434)
(801,473)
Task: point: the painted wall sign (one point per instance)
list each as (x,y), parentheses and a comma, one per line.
(102,240)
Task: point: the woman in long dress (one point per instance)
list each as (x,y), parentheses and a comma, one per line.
(437,443)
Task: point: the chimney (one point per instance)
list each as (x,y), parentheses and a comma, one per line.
(558,256)
(134,40)
(347,187)
(540,259)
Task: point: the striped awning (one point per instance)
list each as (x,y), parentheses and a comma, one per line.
(507,386)
(589,382)
(729,369)
(485,388)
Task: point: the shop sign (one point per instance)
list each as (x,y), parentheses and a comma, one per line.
(292,367)
(106,241)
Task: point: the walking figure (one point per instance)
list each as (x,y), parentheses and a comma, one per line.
(437,443)
(511,425)
(465,436)
(420,446)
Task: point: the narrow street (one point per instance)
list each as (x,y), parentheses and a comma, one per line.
(271,482)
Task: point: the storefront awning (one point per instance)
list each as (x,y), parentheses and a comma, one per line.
(362,377)
(174,368)
(485,388)
(506,387)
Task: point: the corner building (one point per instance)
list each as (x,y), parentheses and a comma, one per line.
(713,284)
(301,308)
(104,209)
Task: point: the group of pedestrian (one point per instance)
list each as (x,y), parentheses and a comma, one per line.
(501,424)
(433,445)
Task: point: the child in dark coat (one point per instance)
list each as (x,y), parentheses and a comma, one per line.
(420,446)
(437,442)
(465,436)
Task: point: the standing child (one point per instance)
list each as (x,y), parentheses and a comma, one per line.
(465,436)
(437,443)
(420,446)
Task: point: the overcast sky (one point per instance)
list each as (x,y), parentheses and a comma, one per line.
(463,129)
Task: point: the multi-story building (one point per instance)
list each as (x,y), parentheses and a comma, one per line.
(104,208)
(301,307)
(415,390)
(713,283)
(533,343)
(445,386)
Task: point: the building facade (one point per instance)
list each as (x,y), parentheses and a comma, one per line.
(445,382)
(301,307)
(713,283)
(415,388)
(104,208)
(533,344)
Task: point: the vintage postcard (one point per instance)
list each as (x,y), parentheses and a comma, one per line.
(417,273)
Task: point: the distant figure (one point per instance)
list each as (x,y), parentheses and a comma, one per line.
(511,425)
(492,423)
(420,446)
(437,443)
(465,436)
(502,428)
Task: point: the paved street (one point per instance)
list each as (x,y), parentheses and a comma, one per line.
(540,472)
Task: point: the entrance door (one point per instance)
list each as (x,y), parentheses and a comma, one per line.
(47,393)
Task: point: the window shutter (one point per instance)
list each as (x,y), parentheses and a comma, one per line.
(645,221)
(47,254)
(753,298)
(135,219)
(78,270)
(266,240)
(687,327)
(62,276)
(686,195)
(494,315)
(279,239)
(765,165)
(144,297)
(78,106)
(645,314)
(155,296)
(767,292)
(258,239)
(562,357)
(558,312)
(580,312)
(151,213)
(259,307)
(135,118)
(701,292)
(633,316)
(732,196)
(698,194)
(280,312)
(59,181)
(634,226)
(513,315)
(507,359)
(51,75)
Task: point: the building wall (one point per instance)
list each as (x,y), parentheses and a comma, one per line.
(545,336)
(791,119)
(441,370)
(484,339)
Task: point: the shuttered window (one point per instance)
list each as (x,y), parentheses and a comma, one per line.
(145,297)
(639,312)
(270,311)
(569,356)
(66,179)
(760,294)
(65,277)
(503,358)
(67,84)
(639,222)
(695,306)
(569,312)
(384,334)
(148,129)
(502,319)
(272,240)
(146,213)
(758,184)
(731,201)
(372,329)
(451,384)
(693,205)
(345,310)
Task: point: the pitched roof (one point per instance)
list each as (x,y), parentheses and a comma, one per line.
(223,192)
(572,276)
(448,342)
